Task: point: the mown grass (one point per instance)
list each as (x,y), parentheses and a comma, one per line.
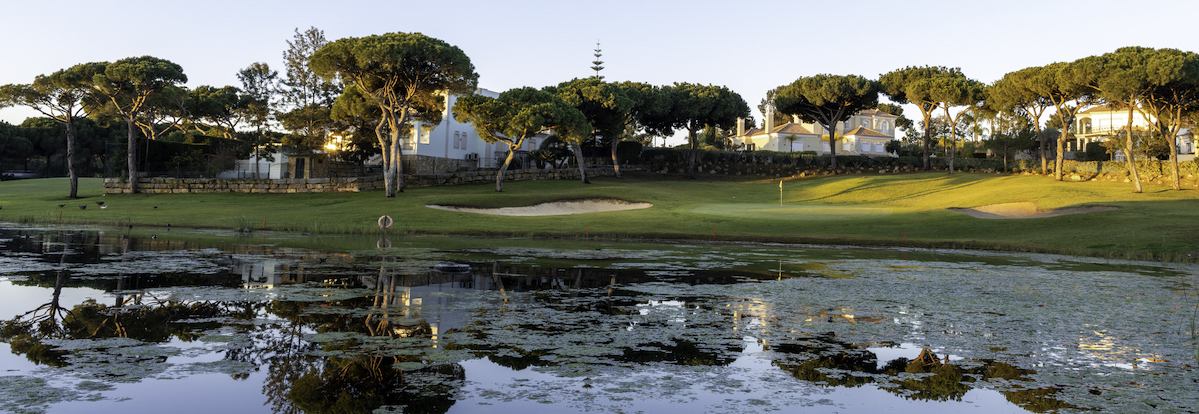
(1159,224)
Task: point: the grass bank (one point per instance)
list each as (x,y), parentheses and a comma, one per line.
(888,209)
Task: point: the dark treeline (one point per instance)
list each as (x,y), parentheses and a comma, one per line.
(363,96)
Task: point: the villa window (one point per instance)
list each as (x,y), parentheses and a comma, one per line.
(456,140)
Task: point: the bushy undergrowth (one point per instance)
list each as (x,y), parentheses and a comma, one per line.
(675,160)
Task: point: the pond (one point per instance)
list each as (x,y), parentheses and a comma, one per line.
(146,320)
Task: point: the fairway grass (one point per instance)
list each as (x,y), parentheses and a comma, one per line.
(893,209)
(791,211)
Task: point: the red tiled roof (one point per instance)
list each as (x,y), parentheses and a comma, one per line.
(792,128)
(875,112)
(1104,108)
(867,132)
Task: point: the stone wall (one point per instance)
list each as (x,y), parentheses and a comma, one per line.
(340,185)
(244,185)
(424,164)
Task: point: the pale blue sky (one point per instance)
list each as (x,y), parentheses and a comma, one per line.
(749,46)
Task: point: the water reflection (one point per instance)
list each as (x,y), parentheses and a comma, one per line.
(397,328)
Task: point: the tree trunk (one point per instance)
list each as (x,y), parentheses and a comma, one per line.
(1132,164)
(71,158)
(132,156)
(1059,160)
(1174,163)
(928,137)
(578,150)
(953,138)
(615,159)
(499,176)
(832,146)
(953,148)
(1172,130)
(388,176)
(691,152)
(1044,145)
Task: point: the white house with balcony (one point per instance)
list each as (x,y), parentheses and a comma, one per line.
(1102,122)
(865,133)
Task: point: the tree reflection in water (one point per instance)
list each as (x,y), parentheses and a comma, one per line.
(377,360)
(24,332)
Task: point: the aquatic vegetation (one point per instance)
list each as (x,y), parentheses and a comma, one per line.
(722,328)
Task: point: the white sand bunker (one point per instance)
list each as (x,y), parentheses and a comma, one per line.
(1026,209)
(556,208)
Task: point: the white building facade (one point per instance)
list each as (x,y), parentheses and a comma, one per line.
(865,133)
(1099,123)
(453,140)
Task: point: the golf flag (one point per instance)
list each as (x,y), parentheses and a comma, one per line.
(780,184)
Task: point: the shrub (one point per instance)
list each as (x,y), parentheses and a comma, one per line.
(1097,152)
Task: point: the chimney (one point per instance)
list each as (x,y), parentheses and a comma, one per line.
(740,127)
(769,125)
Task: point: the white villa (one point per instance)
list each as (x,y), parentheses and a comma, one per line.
(453,140)
(1098,123)
(866,133)
(438,147)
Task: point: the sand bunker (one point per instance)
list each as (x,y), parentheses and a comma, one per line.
(556,208)
(1025,209)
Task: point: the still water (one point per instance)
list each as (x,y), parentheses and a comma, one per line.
(198,322)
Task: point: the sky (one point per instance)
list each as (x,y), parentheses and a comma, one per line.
(750,46)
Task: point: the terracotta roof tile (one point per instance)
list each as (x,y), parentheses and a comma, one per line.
(875,112)
(1105,108)
(867,132)
(792,128)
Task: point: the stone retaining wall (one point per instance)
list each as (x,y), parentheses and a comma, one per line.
(340,185)
(435,165)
